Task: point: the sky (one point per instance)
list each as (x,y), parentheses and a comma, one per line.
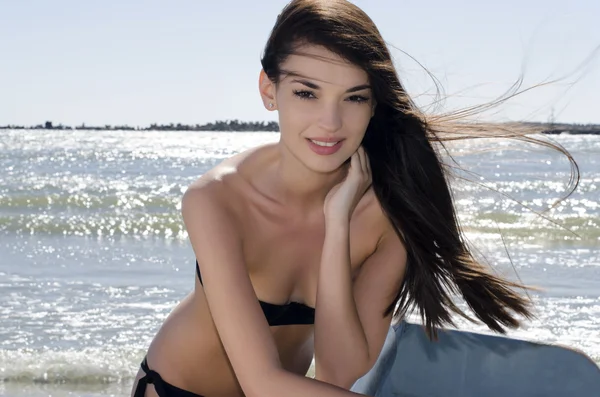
(139,62)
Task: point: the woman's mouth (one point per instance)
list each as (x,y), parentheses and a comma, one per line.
(324,146)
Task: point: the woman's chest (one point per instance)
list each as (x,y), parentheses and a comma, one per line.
(284,260)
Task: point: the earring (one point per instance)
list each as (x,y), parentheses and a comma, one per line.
(271,105)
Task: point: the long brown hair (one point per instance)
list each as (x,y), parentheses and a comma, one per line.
(410,178)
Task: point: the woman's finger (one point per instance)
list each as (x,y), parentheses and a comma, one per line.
(363,163)
(355,163)
(368,162)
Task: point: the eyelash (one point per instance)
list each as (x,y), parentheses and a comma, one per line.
(303,94)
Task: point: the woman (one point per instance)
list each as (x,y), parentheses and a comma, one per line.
(313,244)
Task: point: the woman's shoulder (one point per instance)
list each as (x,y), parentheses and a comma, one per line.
(227,184)
(369,209)
(370,218)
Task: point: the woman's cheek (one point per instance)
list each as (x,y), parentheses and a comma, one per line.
(300,115)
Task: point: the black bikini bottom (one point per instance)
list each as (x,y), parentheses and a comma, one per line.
(163,389)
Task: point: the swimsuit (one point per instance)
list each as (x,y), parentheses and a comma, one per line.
(276,315)
(163,389)
(286,314)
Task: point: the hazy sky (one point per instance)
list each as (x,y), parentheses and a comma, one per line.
(194,61)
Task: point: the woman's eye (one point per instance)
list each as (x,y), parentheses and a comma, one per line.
(304,94)
(358,98)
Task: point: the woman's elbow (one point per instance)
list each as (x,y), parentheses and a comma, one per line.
(343,378)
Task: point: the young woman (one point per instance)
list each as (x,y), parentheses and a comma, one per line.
(313,244)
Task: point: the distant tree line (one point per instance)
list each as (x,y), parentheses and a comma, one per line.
(270,126)
(227,125)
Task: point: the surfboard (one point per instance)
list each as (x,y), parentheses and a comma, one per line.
(469,364)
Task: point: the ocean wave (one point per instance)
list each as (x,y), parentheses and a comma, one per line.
(169,225)
(89,202)
(88,366)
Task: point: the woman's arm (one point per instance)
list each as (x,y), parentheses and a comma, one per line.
(233,305)
(349,324)
(350,328)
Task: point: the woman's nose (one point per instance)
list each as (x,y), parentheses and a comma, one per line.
(331,118)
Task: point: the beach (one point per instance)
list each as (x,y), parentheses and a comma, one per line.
(93,253)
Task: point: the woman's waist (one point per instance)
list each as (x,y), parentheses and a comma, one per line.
(188,352)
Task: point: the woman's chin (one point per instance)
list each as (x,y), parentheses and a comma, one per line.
(320,163)
(325,166)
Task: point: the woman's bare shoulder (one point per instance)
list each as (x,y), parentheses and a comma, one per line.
(369,209)
(227,185)
(372,219)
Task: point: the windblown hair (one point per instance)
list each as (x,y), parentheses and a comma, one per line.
(410,178)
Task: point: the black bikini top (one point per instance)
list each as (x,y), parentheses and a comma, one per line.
(287,314)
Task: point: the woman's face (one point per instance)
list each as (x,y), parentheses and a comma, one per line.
(324,107)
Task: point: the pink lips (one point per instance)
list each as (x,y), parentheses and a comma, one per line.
(324,150)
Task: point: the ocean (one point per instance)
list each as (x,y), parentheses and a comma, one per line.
(93,253)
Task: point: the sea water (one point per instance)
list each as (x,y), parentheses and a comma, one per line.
(94,255)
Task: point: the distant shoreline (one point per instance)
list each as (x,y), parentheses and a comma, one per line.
(271,126)
(228,125)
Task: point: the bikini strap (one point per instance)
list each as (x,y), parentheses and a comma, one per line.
(151,377)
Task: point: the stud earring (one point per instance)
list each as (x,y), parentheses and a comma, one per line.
(271,106)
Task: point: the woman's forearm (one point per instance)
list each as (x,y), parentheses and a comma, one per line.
(283,383)
(341,348)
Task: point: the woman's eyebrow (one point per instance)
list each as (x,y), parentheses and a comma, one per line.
(314,86)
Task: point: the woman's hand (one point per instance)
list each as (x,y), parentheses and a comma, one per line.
(342,199)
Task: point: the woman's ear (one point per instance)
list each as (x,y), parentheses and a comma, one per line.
(267,91)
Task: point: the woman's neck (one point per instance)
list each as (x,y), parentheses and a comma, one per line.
(298,186)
